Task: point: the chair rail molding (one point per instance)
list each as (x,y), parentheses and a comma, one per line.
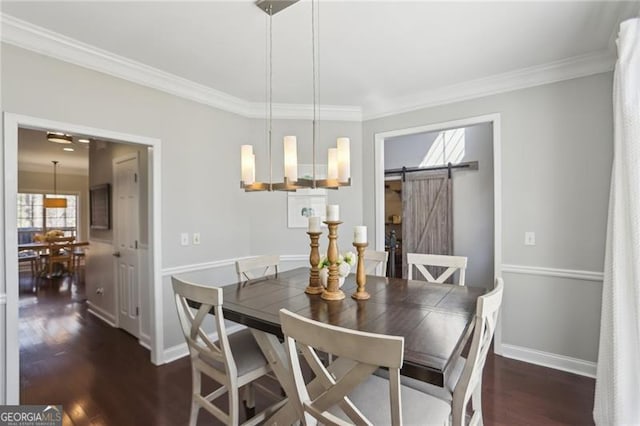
(224,263)
(553,272)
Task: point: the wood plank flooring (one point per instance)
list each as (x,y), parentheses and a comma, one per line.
(102,376)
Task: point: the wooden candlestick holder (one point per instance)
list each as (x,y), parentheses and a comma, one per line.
(333,292)
(314,286)
(361,277)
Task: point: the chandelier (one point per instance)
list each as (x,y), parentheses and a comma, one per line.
(339,161)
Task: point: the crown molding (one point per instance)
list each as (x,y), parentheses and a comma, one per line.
(40,40)
(43,41)
(566,69)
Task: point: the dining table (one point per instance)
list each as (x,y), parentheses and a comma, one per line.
(435,320)
(41,248)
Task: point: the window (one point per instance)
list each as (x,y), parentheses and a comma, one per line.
(33,218)
(447,148)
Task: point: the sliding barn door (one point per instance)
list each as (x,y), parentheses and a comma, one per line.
(427,216)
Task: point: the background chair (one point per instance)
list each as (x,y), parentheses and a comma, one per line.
(257,267)
(372,259)
(233,360)
(32,257)
(465,380)
(60,253)
(347,390)
(452,263)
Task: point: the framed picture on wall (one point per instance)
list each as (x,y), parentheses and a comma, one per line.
(100,206)
(302,206)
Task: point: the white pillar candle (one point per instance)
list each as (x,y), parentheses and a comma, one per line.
(314,224)
(290,158)
(360,234)
(333,212)
(332,164)
(344,160)
(247,164)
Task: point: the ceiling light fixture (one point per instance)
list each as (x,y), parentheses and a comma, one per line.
(55,202)
(339,162)
(59,137)
(68,149)
(83,140)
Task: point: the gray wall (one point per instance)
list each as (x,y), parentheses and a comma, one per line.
(200,159)
(472,195)
(556,163)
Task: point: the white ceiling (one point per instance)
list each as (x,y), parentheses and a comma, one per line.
(35,154)
(372,53)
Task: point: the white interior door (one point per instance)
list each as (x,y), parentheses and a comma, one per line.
(126,237)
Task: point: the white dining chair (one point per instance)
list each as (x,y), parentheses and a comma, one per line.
(373,259)
(452,263)
(346,392)
(256,267)
(464,382)
(233,360)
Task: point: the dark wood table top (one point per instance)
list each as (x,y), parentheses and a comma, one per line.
(45,245)
(433,318)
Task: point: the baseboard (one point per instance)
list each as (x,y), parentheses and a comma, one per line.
(101,314)
(547,359)
(145,341)
(181,350)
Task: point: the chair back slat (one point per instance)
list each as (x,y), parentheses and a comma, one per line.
(257,267)
(359,354)
(198,340)
(487,310)
(374,259)
(452,263)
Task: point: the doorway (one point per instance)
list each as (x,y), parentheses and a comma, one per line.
(380,181)
(12,122)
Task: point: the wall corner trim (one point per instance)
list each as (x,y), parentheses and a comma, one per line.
(3,299)
(553,272)
(550,360)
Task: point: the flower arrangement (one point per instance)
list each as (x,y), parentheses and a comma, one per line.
(345,261)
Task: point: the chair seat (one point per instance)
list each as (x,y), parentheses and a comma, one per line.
(246,353)
(443,393)
(372,399)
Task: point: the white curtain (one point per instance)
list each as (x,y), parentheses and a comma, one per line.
(617,399)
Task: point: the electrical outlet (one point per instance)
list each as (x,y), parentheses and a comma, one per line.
(184,239)
(196,238)
(529,238)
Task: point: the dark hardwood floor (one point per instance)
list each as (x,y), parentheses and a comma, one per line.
(102,376)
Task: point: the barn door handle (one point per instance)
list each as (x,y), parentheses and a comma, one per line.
(116,254)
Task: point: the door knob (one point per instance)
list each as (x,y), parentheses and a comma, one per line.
(116,254)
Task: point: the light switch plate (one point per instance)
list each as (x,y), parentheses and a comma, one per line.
(196,238)
(184,239)
(529,238)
